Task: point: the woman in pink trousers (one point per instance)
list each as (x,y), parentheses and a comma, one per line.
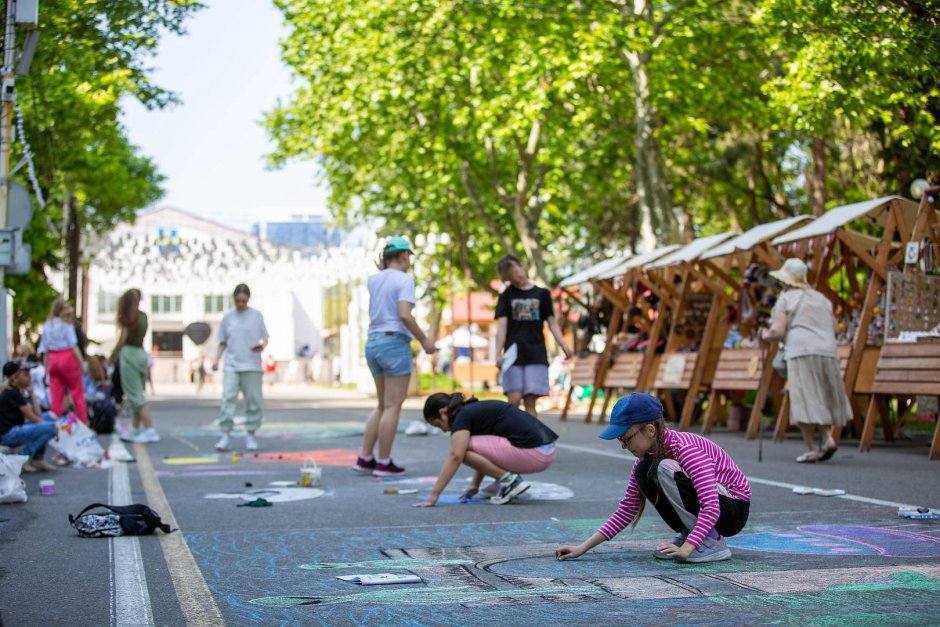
(63,361)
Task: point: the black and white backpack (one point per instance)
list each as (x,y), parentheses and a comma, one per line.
(120,520)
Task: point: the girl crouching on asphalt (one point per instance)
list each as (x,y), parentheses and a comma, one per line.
(692,482)
(494,438)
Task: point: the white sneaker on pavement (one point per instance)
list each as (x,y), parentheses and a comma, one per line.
(134,435)
(222,444)
(251,444)
(150,435)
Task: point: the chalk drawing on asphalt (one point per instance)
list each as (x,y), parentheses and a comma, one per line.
(275,495)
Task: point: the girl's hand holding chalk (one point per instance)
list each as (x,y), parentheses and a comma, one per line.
(569,552)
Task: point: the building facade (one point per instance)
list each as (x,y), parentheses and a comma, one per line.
(187,267)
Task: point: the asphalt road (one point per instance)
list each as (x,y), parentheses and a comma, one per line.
(802,559)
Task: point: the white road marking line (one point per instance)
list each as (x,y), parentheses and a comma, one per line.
(130,593)
(196,601)
(587,449)
(767,482)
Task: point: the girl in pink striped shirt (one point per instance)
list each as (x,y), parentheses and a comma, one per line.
(692,482)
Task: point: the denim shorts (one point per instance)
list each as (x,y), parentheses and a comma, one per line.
(389,355)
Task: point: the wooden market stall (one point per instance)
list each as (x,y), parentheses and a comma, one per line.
(908,367)
(697,330)
(740,369)
(583,368)
(625,365)
(836,249)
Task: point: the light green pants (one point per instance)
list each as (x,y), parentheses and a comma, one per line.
(249,383)
(133,365)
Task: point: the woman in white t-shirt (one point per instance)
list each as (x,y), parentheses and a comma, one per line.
(388,352)
(803,321)
(242,337)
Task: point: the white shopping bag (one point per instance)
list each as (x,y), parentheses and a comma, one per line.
(77,443)
(12,488)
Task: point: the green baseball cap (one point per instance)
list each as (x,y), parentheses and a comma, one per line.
(395,244)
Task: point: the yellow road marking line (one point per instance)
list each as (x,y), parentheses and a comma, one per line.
(196,601)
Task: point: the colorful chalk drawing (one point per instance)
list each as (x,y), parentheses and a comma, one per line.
(325,457)
(432,596)
(410,564)
(216,472)
(283,430)
(275,495)
(505,573)
(842,540)
(537,491)
(204,459)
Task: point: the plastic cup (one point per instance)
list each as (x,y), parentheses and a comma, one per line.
(47,487)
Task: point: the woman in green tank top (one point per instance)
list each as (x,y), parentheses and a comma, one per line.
(132,361)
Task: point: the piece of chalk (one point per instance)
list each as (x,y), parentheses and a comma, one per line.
(397,491)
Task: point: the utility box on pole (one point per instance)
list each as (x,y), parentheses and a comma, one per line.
(27,14)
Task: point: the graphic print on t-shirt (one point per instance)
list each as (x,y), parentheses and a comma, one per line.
(525,309)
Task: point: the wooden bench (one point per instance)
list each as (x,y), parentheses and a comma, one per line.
(904,370)
(583,370)
(674,373)
(738,370)
(623,374)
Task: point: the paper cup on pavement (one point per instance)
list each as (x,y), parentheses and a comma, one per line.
(47,487)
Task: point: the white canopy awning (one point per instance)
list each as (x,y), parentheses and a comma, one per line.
(840,216)
(759,234)
(592,272)
(690,252)
(638,261)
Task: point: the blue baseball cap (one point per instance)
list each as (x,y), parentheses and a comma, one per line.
(632,409)
(395,244)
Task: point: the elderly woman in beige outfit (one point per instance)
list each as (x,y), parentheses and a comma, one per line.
(803,320)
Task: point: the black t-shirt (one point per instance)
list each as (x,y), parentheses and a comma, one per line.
(11,400)
(508,421)
(526,311)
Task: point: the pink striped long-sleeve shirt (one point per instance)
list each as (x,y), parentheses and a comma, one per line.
(706,465)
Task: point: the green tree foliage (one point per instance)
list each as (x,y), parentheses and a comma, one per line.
(563,131)
(90,56)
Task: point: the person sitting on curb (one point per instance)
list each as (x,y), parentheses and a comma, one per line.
(692,482)
(14,412)
(495,438)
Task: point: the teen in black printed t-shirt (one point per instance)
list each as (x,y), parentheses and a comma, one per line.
(522,311)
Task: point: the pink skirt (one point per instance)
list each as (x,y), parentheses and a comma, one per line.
(502,453)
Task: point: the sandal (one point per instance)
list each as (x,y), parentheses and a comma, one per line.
(827,452)
(809,457)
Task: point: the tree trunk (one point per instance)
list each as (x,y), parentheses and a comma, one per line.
(655,203)
(819,176)
(73,237)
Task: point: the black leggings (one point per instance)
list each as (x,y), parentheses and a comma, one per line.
(731,520)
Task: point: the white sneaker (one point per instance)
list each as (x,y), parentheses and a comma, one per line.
(150,435)
(134,435)
(251,444)
(222,444)
(417,427)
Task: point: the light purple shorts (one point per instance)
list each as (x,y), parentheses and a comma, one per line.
(501,452)
(529,379)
